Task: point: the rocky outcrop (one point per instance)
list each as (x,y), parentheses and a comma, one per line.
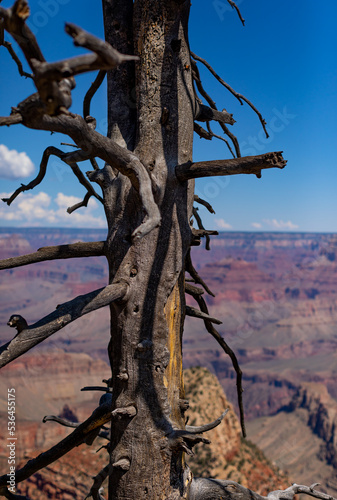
(229,456)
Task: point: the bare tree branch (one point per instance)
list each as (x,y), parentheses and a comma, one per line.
(63,421)
(68,423)
(202,133)
(204,489)
(193,290)
(83,203)
(210,131)
(11,496)
(14,22)
(200,226)
(193,273)
(84,433)
(96,145)
(180,439)
(71,251)
(205,113)
(199,130)
(13,119)
(215,334)
(62,316)
(11,51)
(98,480)
(55,93)
(68,158)
(234,166)
(207,427)
(91,92)
(204,203)
(234,6)
(233,138)
(195,313)
(240,97)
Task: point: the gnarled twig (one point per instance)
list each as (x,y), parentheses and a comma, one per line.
(91,92)
(234,6)
(193,273)
(240,97)
(68,158)
(204,203)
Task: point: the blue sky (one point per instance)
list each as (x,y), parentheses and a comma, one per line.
(283,60)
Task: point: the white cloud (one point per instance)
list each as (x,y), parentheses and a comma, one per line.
(13,164)
(256,225)
(37,210)
(222,224)
(280,224)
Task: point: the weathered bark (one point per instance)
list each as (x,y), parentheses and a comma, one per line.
(145,347)
(234,166)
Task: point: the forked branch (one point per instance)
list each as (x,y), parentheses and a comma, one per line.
(71,251)
(234,166)
(68,158)
(62,316)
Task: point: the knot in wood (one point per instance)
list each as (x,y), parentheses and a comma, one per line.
(133,272)
(122,464)
(123,376)
(145,345)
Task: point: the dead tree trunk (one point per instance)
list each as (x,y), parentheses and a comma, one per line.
(146,329)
